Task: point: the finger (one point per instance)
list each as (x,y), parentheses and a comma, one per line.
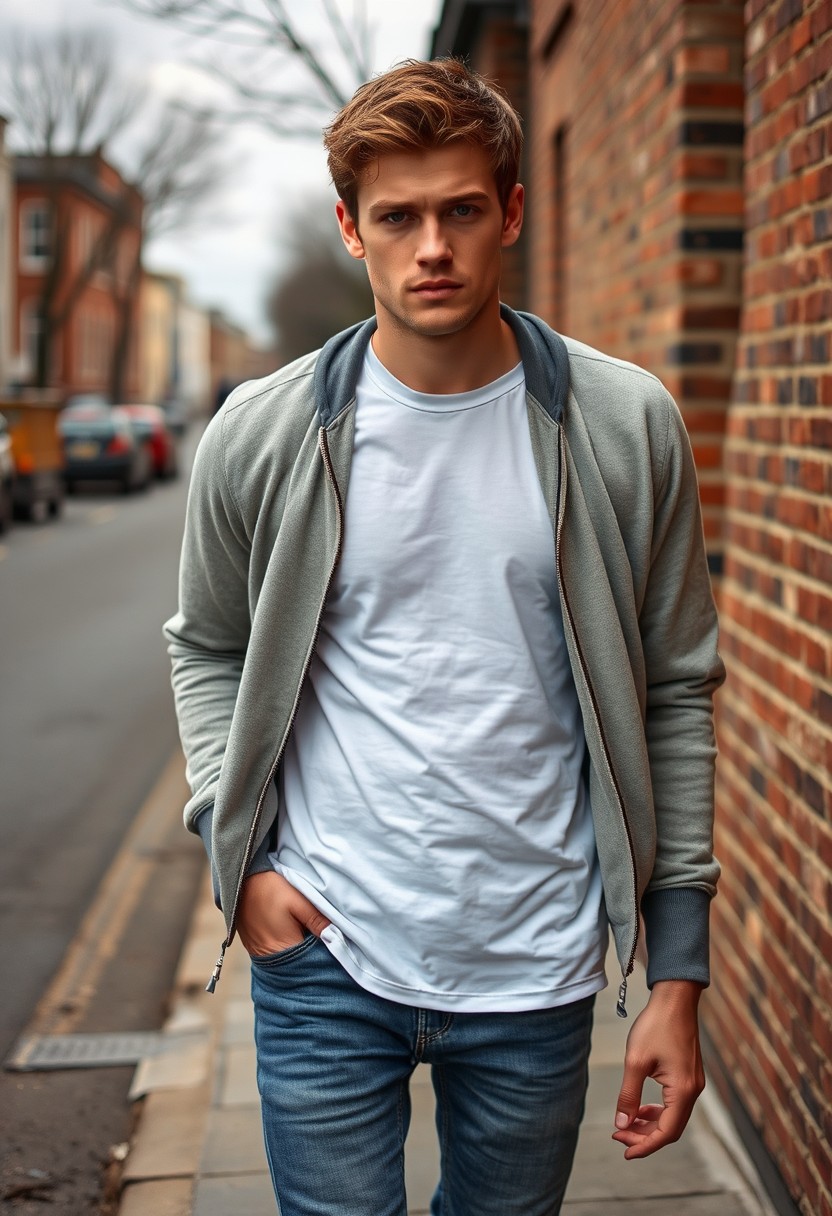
(308,915)
(629,1096)
(645,1119)
(315,921)
(665,1130)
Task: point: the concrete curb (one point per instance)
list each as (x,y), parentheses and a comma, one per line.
(162,1166)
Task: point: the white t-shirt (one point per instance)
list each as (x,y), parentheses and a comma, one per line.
(431,797)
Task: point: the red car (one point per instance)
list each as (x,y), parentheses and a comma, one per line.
(150,424)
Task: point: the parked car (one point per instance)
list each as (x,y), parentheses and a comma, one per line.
(149,423)
(6,475)
(37,451)
(101,445)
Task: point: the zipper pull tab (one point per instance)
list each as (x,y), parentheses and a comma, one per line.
(621,1006)
(215,974)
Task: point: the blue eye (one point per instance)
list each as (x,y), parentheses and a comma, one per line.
(395,217)
(462,210)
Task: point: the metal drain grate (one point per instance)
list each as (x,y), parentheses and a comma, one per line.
(42,1053)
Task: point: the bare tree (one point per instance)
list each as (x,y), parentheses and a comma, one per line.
(285,73)
(68,100)
(64,91)
(321,289)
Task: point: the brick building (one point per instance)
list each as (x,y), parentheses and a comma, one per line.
(665,137)
(6,277)
(771,1013)
(77,253)
(159,300)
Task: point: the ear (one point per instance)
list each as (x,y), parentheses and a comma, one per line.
(349,231)
(513,219)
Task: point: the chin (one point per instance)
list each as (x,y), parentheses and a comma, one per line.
(438,322)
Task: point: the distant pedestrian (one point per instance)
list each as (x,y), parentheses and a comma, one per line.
(224,388)
(444,664)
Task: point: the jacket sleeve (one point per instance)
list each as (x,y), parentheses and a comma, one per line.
(679,635)
(208,636)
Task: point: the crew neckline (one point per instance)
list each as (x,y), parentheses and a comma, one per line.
(439,403)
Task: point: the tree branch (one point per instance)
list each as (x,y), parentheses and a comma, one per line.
(272,29)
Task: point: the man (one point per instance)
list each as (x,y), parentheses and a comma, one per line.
(444,666)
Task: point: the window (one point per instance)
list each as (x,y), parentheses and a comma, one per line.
(36,234)
(32,334)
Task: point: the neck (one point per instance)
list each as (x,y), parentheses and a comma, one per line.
(447,363)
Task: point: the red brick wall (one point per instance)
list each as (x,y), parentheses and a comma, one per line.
(770,1012)
(79,214)
(637,248)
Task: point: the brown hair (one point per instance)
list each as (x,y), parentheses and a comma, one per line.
(418,105)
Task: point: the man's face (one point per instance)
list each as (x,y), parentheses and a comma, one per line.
(431,230)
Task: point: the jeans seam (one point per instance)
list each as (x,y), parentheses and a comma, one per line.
(444,1146)
(400,1119)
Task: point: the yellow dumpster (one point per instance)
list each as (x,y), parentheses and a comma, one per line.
(38,486)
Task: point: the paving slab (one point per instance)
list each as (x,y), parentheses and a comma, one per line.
(600,1171)
(169,1198)
(238,977)
(248,1194)
(682,1205)
(234,1142)
(421,1149)
(239,1021)
(609,1040)
(239,1081)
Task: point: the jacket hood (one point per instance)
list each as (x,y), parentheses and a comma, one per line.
(543,352)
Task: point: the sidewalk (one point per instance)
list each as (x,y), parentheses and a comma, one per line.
(198,1149)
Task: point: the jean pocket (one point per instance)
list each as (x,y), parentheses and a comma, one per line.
(284,956)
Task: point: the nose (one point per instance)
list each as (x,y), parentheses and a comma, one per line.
(433,243)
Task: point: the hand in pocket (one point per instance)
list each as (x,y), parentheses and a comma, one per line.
(273,915)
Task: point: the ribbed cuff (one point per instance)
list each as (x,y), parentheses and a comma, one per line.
(203,825)
(676,925)
(260,857)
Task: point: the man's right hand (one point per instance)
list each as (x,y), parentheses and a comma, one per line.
(273,915)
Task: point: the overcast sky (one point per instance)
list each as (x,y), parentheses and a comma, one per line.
(229,254)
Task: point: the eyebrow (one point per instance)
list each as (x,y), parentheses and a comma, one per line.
(467,196)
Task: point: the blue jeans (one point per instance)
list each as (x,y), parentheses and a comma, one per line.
(333,1066)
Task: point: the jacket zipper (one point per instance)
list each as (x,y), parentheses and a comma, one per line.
(621,1004)
(324,447)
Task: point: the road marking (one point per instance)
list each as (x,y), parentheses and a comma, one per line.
(69,995)
(101,515)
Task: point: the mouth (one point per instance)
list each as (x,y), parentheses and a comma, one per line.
(436,289)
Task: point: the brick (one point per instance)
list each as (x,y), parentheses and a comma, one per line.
(701,272)
(714,60)
(701,246)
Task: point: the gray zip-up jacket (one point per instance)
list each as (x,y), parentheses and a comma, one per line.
(263,536)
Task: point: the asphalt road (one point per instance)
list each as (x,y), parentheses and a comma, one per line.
(86,714)
(87,740)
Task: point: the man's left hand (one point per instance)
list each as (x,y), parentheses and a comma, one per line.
(664,1044)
